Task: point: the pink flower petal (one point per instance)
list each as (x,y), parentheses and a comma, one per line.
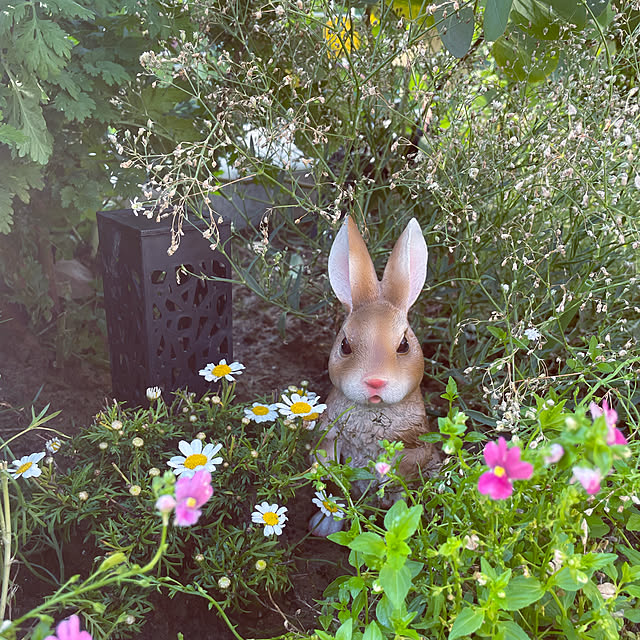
(615,436)
(556,451)
(382,468)
(70,630)
(197,486)
(498,488)
(186,516)
(588,478)
(517,469)
(495,453)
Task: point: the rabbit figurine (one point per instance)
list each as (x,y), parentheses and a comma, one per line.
(376,363)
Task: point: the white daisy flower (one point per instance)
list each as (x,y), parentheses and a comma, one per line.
(27,466)
(214,372)
(53,445)
(271,516)
(195,457)
(298,406)
(261,412)
(329,505)
(153,393)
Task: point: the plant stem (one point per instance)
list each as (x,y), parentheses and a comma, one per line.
(5,524)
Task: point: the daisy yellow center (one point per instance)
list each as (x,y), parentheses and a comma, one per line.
(221,370)
(195,460)
(191,502)
(300,407)
(311,416)
(270,518)
(260,411)
(24,467)
(499,471)
(332,507)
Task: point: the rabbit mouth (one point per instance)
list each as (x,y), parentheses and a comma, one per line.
(375,399)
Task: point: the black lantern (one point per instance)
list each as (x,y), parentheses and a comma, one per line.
(165,319)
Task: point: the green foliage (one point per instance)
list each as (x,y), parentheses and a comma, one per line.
(458,564)
(107,497)
(62,66)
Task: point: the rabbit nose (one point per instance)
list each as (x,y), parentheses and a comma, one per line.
(375,383)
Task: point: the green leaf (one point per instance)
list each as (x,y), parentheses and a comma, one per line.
(597,6)
(524,58)
(10,135)
(510,630)
(496,14)
(633,524)
(521,592)
(467,621)
(455,27)
(370,543)
(111,72)
(632,614)
(341,537)
(396,583)
(632,554)
(25,114)
(345,631)
(402,521)
(42,46)
(372,632)
(497,332)
(79,108)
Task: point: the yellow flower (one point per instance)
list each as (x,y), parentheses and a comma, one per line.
(340,36)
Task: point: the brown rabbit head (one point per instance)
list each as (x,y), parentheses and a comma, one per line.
(376,357)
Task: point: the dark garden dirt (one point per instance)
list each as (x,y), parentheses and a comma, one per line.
(30,377)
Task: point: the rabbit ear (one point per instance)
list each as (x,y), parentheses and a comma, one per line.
(406,269)
(351,272)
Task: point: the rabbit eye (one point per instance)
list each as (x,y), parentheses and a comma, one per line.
(345,347)
(403,347)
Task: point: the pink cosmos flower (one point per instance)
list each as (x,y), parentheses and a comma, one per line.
(382,468)
(614,435)
(191,494)
(505,466)
(70,630)
(588,478)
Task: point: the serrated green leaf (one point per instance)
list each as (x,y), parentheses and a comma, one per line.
(25,114)
(69,9)
(11,136)
(455,27)
(111,72)
(496,15)
(79,108)
(42,46)
(466,622)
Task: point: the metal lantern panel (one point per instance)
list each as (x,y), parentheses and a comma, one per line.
(164,324)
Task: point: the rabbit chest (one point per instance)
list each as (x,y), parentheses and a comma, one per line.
(357,429)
